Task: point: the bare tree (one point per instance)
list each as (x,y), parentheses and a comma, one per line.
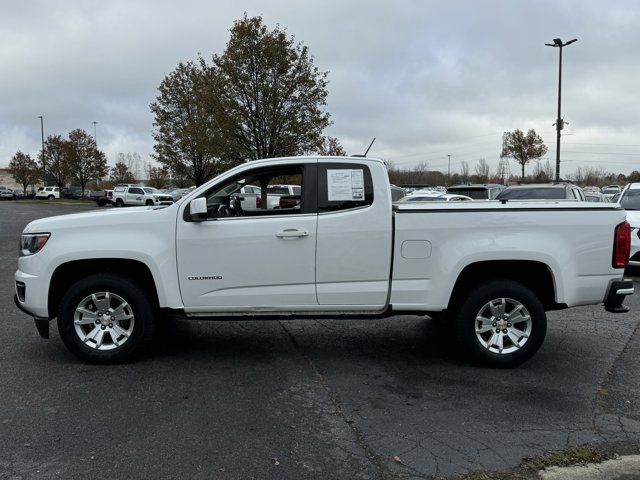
(331,147)
(464,171)
(482,170)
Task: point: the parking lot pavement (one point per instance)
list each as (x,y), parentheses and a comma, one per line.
(314,399)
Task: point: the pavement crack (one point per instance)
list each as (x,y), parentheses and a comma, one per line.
(338,407)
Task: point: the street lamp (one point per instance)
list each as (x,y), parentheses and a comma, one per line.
(44,163)
(449,171)
(557,43)
(95,138)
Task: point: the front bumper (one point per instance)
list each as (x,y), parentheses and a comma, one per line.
(42,324)
(617,291)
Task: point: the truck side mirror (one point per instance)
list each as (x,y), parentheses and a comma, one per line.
(198,209)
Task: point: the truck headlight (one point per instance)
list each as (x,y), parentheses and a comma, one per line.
(31,243)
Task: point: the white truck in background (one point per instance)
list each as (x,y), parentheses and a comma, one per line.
(491,268)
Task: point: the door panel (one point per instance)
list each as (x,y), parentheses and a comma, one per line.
(353,256)
(264,263)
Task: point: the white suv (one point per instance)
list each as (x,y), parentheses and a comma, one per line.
(48,193)
(630,201)
(138,195)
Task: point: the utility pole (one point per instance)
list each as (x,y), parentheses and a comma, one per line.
(95,137)
(449,171)
(557,43)
(44,164)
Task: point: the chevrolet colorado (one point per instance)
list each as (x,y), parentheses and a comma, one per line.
(344,250)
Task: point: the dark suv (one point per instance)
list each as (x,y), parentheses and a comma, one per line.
(543,191)
(487,191)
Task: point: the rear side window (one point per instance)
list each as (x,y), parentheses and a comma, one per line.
(342,186)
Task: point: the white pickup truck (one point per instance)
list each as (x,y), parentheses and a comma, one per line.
(491,268)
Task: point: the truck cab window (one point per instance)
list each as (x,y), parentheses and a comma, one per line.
(259,192)
(342,186)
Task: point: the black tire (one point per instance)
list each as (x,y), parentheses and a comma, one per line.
(119,202)
(149,203)
(142,329)
(51,197)
(465,321)
(101,203)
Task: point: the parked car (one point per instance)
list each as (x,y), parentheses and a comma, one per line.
(102,197)
(7,194)
(48,193)
(630,201)
(542,191)
(72,193)
(610,190)
(397,193)
(178,193)
(597,197)
(616,198)
(18,193)
(136,195)
(493,270)
(477,191)
(434,196)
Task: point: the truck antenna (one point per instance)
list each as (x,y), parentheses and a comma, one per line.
(365,153)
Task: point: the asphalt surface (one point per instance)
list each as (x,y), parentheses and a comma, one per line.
(298,400)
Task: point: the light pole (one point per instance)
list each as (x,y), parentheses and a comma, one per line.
(559,122)
(95,137)
(44,163)
(449,171)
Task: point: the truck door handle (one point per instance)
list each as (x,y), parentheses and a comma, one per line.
(291,233)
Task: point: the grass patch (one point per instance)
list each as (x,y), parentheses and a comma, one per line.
(574,456)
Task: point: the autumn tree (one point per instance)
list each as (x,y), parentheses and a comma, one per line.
(120,173)
(158,177)
(186,132)
(56,160)
(331,147)
(84,159)
(482,170)
(269,95)
(24,170)
(522,148)
(261,98)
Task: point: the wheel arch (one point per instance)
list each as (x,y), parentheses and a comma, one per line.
(535,275)
(68,273)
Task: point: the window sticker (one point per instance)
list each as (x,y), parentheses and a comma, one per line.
(345,184)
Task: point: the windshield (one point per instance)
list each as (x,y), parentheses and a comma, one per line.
(475,193)
(610,191)
(537,193)
(630,199)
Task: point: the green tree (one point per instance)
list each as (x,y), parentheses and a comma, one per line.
(56,160)
(331,147)
(24,169)
(522,148)
(120,173)
(84,159)
(268,94)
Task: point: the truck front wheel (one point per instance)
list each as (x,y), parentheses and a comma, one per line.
(105,319)
(501,323)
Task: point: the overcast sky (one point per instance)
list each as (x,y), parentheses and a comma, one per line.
(425,78)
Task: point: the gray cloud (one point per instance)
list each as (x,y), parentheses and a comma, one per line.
(425,78)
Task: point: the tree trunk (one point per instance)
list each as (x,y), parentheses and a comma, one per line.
(522,172)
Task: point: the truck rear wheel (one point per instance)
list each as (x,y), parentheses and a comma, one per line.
(501,323)
(105,319)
